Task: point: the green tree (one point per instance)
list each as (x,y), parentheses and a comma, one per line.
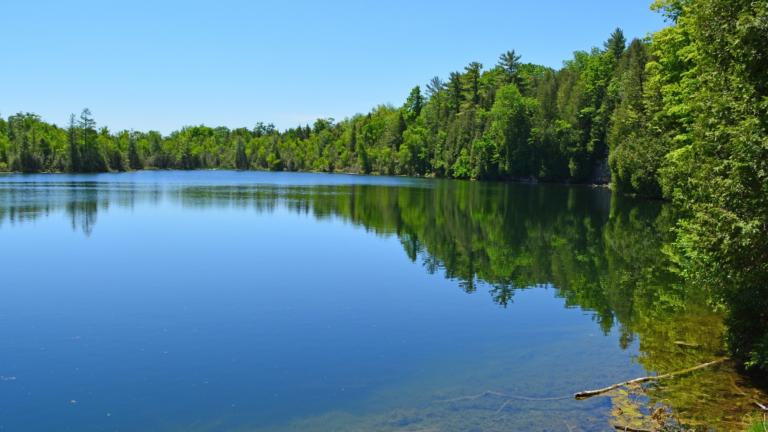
(134,158)
(241,158)
(616,44)
(720,173)
(509,62)
(413,104)
(74,145)
(636,154)
(509,132)
(455,92)
(91,154)
(472,86)
(23,136)
(4,144)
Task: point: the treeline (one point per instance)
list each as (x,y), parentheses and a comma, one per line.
(512,121)
(682,114)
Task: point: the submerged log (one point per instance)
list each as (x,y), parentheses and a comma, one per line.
(630,429)
(589,393)
(505,396)
(687,344)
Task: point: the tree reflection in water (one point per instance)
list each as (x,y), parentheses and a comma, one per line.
(603,253)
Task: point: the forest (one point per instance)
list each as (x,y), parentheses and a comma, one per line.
(680,115)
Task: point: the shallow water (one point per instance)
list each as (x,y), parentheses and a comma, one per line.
(211,301)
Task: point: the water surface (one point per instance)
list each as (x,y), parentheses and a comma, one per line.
(233,301)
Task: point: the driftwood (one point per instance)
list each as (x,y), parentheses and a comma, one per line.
(589,393)
(630,429)
(686,344)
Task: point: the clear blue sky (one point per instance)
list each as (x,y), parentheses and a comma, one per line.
(165,64)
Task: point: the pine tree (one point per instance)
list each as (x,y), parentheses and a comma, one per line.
(241,159)
(455,91)
(472,74)
(414,104)
(616,44)
(92,157)
(509,62)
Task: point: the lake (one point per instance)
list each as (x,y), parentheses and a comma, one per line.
(251,301)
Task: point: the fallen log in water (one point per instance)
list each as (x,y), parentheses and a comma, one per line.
(630,429)
(505,396)
(589,393)
(687,344)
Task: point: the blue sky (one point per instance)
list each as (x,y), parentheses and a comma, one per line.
(165,64)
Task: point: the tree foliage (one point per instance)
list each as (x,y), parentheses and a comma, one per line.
(719,170)
(513,121)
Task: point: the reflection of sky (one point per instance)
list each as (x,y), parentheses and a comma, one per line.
(212,177)
(170,315)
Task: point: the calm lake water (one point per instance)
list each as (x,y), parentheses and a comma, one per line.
(233,301)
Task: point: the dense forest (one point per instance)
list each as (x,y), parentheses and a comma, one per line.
(513,121)
(681,115)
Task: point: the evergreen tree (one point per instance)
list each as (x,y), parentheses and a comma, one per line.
(134,159)
(509,62)
(472,76)
(434,87)
(455,92)
(241,159)
(74,148)
(91,155)
(616,44)
(413,104)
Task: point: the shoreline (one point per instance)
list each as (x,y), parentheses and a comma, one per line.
(433,177)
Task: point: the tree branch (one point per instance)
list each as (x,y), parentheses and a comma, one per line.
(589,393)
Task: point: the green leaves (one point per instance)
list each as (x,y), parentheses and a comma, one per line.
(708,101)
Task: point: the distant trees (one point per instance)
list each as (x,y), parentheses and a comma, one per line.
(23,142)
(31,145)
(621,104)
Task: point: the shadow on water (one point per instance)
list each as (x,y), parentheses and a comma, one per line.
(602,252)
